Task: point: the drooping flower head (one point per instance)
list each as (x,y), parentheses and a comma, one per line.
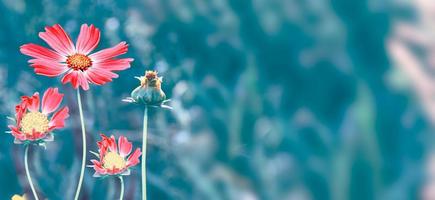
(75,61)
(33,122)
(149,92)
(114,157)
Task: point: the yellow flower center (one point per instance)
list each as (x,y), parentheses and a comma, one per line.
(79,62)
(18,197)
(113,160)
(34,121)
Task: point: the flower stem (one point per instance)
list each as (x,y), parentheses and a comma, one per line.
(29,178)
(79,186)
(144,154)
(121,196)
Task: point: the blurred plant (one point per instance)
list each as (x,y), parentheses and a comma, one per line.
(113,159)
(32,125)
(79,67)
(148,93)
(410,46)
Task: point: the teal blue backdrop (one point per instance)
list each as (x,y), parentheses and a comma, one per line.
(272,99)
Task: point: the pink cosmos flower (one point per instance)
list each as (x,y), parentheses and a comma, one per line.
(75,61)
(113,157)
(32,123)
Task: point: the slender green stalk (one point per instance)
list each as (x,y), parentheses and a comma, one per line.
(29,178)
(144,154)
(79,186)
(121,195)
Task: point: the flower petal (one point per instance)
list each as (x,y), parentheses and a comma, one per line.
(48,68)
(20,109)
(77,78)
(32,102)
(58,39)
(99,76)
(58,119)
(98,167)
(116,64)
(71,76)
(88,39)
(41,52)
(109,53)
(134,158)
(35,135)
(51,100)
(17,133)
(83,81)
(103,145)
(43,70)
(115,171)
(112,144)
(124,146)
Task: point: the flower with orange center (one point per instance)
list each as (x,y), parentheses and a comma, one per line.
(76,62)
(113,157)
(34,124)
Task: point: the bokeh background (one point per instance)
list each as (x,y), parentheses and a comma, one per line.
(273,99)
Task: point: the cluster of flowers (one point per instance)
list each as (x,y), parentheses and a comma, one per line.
(35,120)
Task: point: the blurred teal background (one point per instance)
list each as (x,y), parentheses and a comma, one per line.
(273,99)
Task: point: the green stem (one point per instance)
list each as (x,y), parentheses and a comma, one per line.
(79,186)
(121,196)
(144,154)
(29,178)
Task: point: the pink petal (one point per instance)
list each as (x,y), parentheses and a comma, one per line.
(71,76)
(20,109)
(98,167)
(117,64)
(36,135)
(41,52)
(109,53)
(112,144)
(88,39)
(77,78)
(33,102)
(99,76)
(124,146)
(58,119)
(51,100)
(97,163)
(17,133)
(58,39)
(134,158)
(83,81)
(103,145)
(48,68)
(115,171)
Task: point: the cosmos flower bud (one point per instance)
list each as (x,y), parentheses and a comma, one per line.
(149,92)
